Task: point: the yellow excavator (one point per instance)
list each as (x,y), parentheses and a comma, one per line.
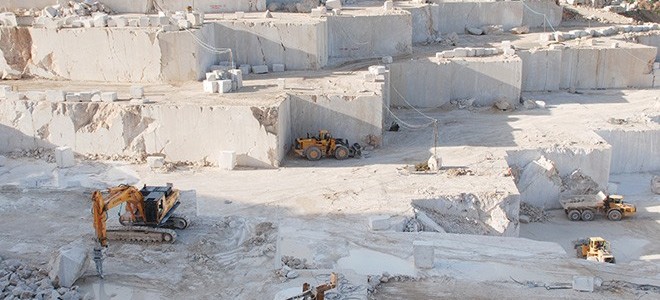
(148,216)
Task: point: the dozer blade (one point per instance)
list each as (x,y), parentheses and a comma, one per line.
(141,234)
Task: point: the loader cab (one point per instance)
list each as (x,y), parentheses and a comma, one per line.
(599,244)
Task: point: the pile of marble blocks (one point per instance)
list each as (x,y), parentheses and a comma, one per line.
(57,95)
(164,20)
(223,79)
(468,52)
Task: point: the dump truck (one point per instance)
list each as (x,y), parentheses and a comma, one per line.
(324,145)
(585,207)
(594,249)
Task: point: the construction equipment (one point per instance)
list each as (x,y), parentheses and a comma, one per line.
(318,293)
(147,216)
(594,249)
(313,148)
(585,207)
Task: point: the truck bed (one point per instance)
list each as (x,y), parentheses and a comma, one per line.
(579,201)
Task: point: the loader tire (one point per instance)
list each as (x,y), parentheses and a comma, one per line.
(313,153)
(614,215)
(341,152)
(574,215)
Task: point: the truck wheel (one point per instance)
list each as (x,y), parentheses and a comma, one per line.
(313,153)
(341,152)
(614,215)
(587,215)
(574,215)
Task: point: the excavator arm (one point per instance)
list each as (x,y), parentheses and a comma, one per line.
(116,196)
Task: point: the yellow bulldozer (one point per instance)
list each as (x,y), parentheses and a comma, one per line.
(594,249)
(315,147)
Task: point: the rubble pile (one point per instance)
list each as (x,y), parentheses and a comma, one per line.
(22,281)
(295,263)
(76,8)
(39,153)
(530,213)
(577,183)
(376,280)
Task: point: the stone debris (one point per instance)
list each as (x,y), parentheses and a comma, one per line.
(156,162)
(23,281)
(455,172)
(296,263)
(69,263)
(503,105)
(474,31)
(532,213)
(520,30)
(578,183)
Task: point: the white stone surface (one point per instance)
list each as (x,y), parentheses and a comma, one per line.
(278,67)
(354,37)
(210,86)
(227,160)
(425,83)
(298,45)
(64,157)
(260,69)
(8,19)
(379,223)
(69,264)
(583,283)
(3,161)
(319,12)
(155,162)
(540,184)
(215,6)
(633,150)
(424,254)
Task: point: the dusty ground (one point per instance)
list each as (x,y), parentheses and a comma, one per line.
(244,220)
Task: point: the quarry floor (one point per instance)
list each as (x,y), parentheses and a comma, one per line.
(244,219)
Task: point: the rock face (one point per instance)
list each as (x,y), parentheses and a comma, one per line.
(69,263)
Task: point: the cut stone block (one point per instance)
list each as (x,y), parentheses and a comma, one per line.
(332,4)
(155,162)
(224,86)
(137,92)
(36,96)
(260,69)
(378,223)
(239,14)
(8,19)
(509,51)
(88,23)
(96,97)
(109,97)
(4,89)
(236,78)
(51,11)
(424,254)
(112,22)
(278,67)
(3,161)
(319,12)
(245,69)
(64,157)
(377,70)
(336,12)
(281,83)
(69,264)
(227,160)
(210,86)
(388,5)
(387,60)
(655,184)
(168,28)
(121,21)
(184,24)
(460,52)
(368,77)
(85,96)
(101,20)
(428,223)
(583,283)
(195,18)
(211,76)
(143,22)
(162,21)
(72,97)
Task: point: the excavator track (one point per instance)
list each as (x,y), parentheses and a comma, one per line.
(141,234)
